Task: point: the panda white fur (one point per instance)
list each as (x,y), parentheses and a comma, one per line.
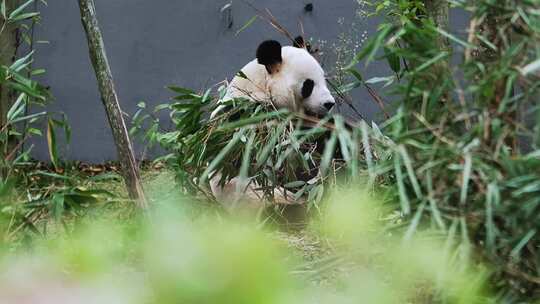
(288,77)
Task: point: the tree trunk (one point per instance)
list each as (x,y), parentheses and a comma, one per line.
(438,10)
(490,28)
(9,42)
(109,98)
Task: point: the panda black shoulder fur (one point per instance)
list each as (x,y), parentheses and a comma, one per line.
(287,76)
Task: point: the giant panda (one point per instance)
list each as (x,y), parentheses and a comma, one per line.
(288,77)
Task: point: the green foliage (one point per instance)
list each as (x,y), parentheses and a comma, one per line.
(460,154)
(260,145)
(175,259)
(46,202)
(23,120)
(465,151)
(28,93)
(20,122)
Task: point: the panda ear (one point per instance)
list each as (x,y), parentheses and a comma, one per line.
(269,55)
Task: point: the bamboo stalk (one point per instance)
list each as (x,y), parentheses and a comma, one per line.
(130,170)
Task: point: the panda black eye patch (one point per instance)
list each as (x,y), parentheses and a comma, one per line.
(307,88)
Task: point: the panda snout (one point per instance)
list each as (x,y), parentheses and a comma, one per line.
(329,105)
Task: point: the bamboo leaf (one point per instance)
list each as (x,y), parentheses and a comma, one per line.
(25,16)
(455,39)
(414,223)
(372,47)
(530,68)
(345,141)
(246,162)
(491,200)
(38,72)
(252,120)
(410,171)
(17,108)
(28,117)
(19,10)
(22,62)
(246,25)
(432,204)
(403,198)
(181,90)
(328,154)
(431,62)
(3,9)
(221,155)
(367,151)
(467,168)
(394,61)
(262,157)
(51,142)
(58,206)
(517,249)
(295,184)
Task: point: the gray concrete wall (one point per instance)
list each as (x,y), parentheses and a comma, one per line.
(155,43)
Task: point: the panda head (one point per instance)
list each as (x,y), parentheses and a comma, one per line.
(294,74)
